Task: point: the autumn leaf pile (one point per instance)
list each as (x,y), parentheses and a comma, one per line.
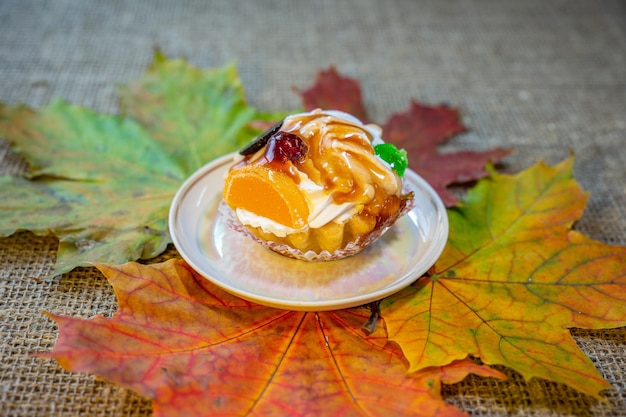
(513,278)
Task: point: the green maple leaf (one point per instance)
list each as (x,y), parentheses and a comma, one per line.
(103,183)
(194,115)
(512,279)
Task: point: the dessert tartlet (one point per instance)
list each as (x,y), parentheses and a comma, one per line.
(317,186)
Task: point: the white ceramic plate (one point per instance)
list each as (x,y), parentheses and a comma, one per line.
(244,268)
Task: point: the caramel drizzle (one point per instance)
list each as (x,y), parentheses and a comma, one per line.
(341,159)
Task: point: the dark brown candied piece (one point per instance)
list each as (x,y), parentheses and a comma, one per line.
(283,146)
(261,140)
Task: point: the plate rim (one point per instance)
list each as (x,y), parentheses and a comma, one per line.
(300,305)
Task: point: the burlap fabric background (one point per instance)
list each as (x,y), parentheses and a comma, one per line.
(546,78)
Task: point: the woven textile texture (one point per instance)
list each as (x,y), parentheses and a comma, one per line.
(545,78)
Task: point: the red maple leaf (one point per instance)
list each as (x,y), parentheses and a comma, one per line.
(419,129)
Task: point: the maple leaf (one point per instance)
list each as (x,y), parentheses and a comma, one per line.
(196,115)
(196,350)
(103,184)
(511,280)
(419,130)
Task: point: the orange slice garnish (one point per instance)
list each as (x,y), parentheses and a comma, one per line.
(267,193)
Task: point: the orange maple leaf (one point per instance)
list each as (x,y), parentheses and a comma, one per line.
(196,350)
(511,281)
